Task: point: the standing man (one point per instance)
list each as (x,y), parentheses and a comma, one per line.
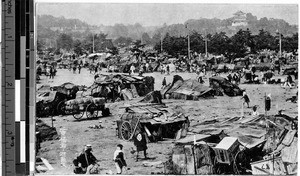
(79,68)
(246,99)
(140,143)
(132,68)
(164,83)
(119,159)
(74,68)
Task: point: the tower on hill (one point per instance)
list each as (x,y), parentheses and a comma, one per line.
(239,19)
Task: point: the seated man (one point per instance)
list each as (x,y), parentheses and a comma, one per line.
(288,82)
(87,161)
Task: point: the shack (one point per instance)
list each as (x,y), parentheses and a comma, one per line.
(119,86)
(157,120)
(222,86)
(261,145)
(186,89)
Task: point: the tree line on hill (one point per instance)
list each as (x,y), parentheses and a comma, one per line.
(238,45)
(59,33)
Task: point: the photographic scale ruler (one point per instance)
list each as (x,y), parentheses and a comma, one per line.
(18,87)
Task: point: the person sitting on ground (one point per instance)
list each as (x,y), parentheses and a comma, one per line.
(87,161)
(200,78)
(246,99)
(229,77)
(288,82)
(235,78)
(119,159)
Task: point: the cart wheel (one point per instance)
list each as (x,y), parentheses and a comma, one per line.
(125,130)
(90,111)
(60,109)
(105,112)
(78,114)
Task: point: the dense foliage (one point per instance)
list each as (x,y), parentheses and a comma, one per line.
(238,45)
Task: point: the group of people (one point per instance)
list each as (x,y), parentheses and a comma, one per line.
(76,67)
(86,162)
(234,77)
(165,69)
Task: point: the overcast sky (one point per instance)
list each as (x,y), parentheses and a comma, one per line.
(157,14)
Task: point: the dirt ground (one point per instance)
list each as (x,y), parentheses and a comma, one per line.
(75,134)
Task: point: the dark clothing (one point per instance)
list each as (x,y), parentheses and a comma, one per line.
(120,160)
(229,77)
(85,159)
(246,98)
(79,68)
(140,142)
(164,83)
(289,79)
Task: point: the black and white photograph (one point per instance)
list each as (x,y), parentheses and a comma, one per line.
(166,88)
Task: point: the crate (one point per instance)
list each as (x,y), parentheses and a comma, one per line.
(226,150)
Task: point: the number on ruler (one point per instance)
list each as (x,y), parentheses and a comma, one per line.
(9,84)
(12,143)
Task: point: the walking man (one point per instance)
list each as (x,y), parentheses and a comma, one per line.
(246,99)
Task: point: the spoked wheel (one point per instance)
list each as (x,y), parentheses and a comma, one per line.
(126,130)
(78,114)
(91,111)
(60,108)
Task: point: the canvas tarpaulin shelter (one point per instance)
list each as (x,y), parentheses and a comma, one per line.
(223,86)
(121,86)
(158,121)
(187,89)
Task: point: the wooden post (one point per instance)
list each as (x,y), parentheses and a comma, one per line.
(52,121)
(242,110)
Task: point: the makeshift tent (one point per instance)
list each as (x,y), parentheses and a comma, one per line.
(153,97)
(262,136)
(222,86)
(187,89)
(157,120)
(121,86)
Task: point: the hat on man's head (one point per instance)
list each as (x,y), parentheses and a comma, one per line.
(120,145)
(88,146)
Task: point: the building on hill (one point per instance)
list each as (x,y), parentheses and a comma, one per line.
(239,19)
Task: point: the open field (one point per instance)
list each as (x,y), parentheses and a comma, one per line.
(104,140)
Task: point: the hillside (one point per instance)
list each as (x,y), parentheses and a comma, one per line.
(49,27)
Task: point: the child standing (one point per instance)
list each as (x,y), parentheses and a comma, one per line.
(119,159)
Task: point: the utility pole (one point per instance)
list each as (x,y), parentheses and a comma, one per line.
(279,34)
(205,44)
(93,44)
(189,47)
(161,43)
(279,45)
